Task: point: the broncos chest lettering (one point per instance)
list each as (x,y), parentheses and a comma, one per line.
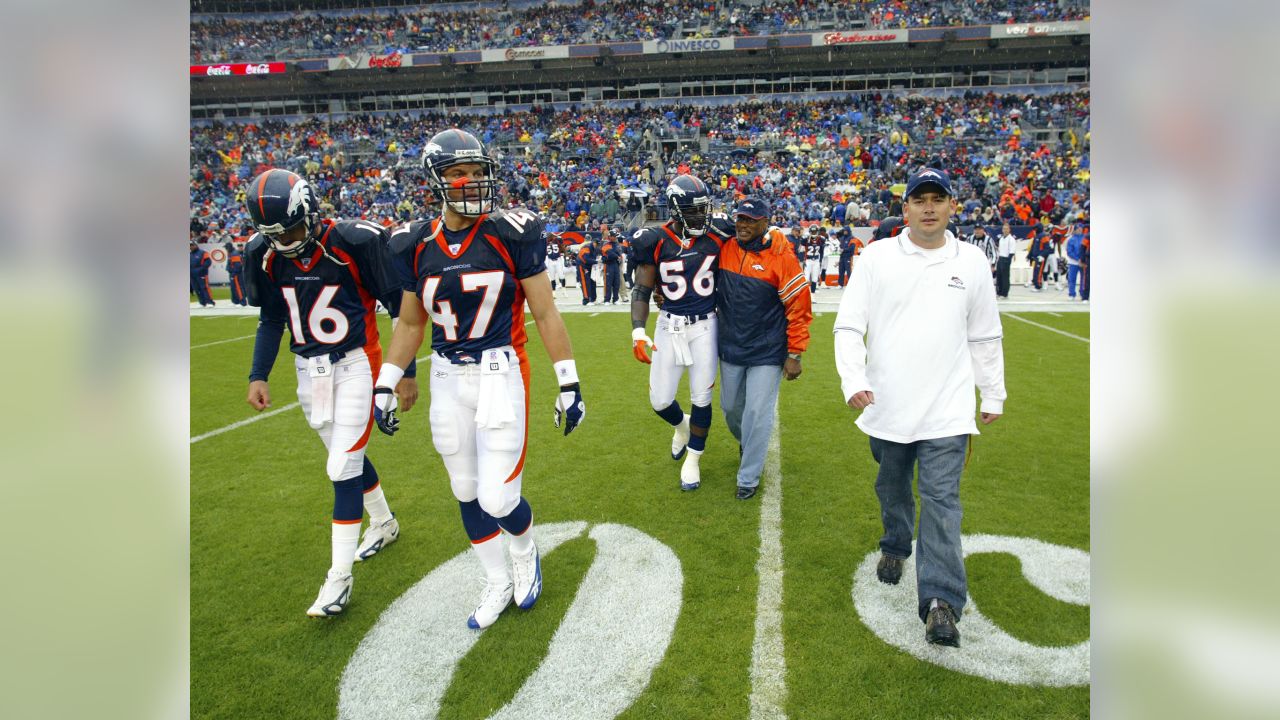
(327,309)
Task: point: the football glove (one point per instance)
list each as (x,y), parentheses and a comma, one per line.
(570,408)
(384,410)
(641,346)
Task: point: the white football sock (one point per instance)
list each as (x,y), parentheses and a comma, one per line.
(492,559)
(346,536)
(522,544)
(375,503)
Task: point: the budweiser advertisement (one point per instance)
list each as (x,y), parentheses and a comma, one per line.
(266,68)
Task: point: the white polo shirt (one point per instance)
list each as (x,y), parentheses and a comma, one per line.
(916,327)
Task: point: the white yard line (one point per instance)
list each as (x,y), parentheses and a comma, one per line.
(1056,314)
(256,418)
(768,663)
(1046,327)
(593,314)
(219,342)
(242,423)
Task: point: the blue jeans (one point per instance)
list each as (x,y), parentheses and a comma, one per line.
(1073,274)
(747,396)
(939,561)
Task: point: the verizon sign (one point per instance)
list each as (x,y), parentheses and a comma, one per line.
(1039,29)
(237,69)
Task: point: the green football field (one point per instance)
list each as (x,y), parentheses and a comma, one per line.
(713,607)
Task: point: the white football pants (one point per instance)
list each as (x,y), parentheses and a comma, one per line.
(346,436)
(665,372)
(555,271)
(813,271)
(483,463)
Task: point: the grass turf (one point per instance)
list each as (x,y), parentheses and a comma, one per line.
(260,537)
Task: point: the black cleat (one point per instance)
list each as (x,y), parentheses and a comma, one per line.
(889,570)
(746,493)
(940,626)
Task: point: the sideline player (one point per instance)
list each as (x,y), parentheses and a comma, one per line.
(322,277)
(467,275)
(682,254)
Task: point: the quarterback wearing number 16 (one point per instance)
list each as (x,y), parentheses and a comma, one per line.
(468,274)
(322,278)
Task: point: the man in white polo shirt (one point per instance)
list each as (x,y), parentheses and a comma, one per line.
(917,327)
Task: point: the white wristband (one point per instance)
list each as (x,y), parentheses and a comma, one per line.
(638,334)
(566,372)
(389,375)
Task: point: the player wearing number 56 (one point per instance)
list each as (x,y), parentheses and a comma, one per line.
(467,275)
(321,277)
(680,256)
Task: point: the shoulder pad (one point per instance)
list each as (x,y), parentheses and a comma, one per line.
(358,232)
(254,248)
(518,224)
(407,235)
(722,225)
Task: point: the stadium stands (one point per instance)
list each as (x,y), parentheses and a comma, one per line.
(243,37)
(1012,156)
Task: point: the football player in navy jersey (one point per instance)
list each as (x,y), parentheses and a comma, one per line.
(555,266)
(680,255)
(814,251)
(467,275)
(322,278)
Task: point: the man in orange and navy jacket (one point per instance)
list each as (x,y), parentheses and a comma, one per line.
(200,263)
(764,308)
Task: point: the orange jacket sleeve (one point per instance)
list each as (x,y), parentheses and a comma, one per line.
(793,290)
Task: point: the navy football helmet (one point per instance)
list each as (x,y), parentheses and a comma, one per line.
(279,200)
(690,202)
(456,147)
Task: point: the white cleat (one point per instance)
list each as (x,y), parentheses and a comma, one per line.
(526,575)
(335,593)
(493,600)
(680,441)
(377,538)
(690,473)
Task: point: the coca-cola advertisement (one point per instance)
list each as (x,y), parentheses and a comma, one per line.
(265,68)
(393,60)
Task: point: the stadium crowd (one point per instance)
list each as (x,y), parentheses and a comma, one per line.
(244,38)
(833,160)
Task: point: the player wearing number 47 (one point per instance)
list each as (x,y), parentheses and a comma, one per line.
(917,327)
(322,277)
(468,274)
(681,255)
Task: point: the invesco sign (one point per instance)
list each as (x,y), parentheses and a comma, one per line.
(692,45)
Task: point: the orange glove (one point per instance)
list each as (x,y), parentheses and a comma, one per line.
(641,346)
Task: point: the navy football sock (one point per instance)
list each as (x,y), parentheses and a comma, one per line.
(672,413)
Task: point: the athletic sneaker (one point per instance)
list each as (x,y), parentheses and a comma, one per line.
(335,593)
(526,575)
(493,600)
(377,537)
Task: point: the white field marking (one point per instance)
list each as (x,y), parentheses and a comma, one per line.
(593,314)
(246,421)
(219,342)
(528,322)
(600,659)
(256,418)
(1046,327)
(1054,314)
(985,649)
(768,659)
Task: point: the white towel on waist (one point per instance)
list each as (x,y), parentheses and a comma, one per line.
(679,340)
(493,402)
(320,370)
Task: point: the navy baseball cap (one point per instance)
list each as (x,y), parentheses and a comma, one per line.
(928,176)
(754,208)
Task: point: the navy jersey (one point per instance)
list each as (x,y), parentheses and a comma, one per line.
(327,298)
(553,248)
(813,248)
(686,275)
(469,281)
